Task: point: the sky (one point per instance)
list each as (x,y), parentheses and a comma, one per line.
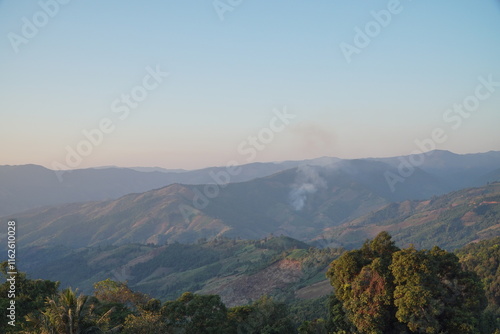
(190,84)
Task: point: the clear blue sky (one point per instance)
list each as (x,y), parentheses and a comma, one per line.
(227,76)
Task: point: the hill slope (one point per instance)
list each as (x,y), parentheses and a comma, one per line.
(29,186)
(449,221)
(298,202)
(343,204)
(239,270)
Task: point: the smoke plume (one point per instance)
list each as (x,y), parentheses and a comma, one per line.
(307,181)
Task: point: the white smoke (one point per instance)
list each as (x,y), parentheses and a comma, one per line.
(307,181)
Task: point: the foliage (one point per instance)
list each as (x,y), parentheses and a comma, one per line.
(484,259)
(192,313)
(30,295)
(146,322)
(110,291)
(337,318)
(308,310)
(450,221)
(68,313)
(433,294)
(387,290)
(119,298)
(379,288)
(264,316)
(316,326)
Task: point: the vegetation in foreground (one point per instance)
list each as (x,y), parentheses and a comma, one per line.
(379,288)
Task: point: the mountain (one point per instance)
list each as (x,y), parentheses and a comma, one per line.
(450,221)
(300,203)
(458,171)
(238,270)
(489,177)
(184,213)
(157,240)
(241,272)
(30,186)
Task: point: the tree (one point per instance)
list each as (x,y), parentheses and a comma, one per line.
(264,316)
(191,313)
(67,313)
(337,319)
(363,283)
(110,291)
(434,294)
(30,295)
(484,259)
(316,326)
(387,290)
(123,302)
(146,322)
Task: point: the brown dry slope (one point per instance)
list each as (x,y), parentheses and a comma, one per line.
(241,289)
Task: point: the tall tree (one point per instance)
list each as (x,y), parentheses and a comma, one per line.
(263,316)
(68,313)
(484,259)
(364,284)
(433,294)
(118,292)
(387,290)
(30,296)
(191,313)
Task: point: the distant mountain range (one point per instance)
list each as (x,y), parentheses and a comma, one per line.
(449,221)
(192,235)
(307,203)
(27,187)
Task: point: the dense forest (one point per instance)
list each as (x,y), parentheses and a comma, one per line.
(378,288)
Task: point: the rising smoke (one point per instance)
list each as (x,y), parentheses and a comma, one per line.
(307,181)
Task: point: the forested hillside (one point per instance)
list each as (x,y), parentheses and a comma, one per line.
(483,258)
(26,187)
(379,288)
(451,221)
(238,270)
(343,210)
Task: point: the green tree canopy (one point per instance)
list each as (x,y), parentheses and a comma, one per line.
(264,316)
(384,289)
(191,313)
(68,313)
(30,296)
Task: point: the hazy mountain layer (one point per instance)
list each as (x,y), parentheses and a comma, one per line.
(30,186)
(300,203)
(449,221)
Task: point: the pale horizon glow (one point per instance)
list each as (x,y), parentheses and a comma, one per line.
(226,78)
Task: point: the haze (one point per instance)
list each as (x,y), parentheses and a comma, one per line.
(231,71)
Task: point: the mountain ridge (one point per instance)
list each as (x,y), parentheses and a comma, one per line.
(302,203)
(24,187)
